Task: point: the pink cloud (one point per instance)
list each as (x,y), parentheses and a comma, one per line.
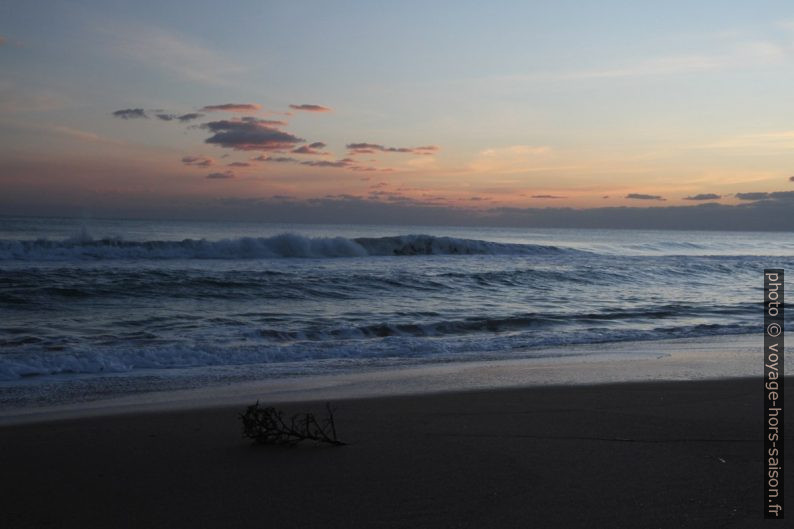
(225,175)
(371,148)
(232,107)
(313,149)
(199,161)
(277,159)
(310,108)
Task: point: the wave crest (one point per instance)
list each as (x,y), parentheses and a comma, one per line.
(286,245)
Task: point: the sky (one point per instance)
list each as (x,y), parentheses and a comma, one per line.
(608,114)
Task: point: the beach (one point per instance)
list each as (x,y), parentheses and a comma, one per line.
(481,378)
(636,454)
(483,265)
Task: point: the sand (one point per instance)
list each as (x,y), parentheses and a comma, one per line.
(650,454)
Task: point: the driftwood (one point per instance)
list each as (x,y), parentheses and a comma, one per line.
(267,425)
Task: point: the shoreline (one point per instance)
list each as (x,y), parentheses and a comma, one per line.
(719,357)
(625,455)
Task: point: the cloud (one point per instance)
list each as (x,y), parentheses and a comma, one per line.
(199,161)
(791,178)
(781,196)
(184,118)
(640,196)
(704,196)
(786,196)
(310,108)
(249,134)
(371,148)
(232,107)
(3,40)
(270,122)
(189,117)
(221,176)
(344,162)
(239,164)
(547,196)
(130,113)
(752,196)
(313,149)
(276,159)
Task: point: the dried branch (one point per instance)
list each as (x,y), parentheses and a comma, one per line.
(267,425)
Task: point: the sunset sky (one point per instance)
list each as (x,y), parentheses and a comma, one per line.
(189,108)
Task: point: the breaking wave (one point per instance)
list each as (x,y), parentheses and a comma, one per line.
(394,343)
(286,245)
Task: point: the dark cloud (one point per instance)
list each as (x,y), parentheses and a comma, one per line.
(184,118)
(259,121)
(344,162)
(546,196)
(3,40)
(706,216)
(249,134)
(189,117)
(313,149)
(371,148)
(786,196)
(276,159)
(130,113)
(343,196)
(782,196)
(640,196)
(232,107)
(225,175)
(199,161)
(752,196)
(791,178)
(310,108)
(704,196)
(239,164)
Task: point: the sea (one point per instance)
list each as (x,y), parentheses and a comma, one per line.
(93,308)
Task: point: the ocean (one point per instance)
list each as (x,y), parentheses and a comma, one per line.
(95,308)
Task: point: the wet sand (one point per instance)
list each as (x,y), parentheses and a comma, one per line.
(650,454)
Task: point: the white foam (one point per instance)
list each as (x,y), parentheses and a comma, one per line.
(286,245)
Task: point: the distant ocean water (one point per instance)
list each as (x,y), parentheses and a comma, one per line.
(140,301)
